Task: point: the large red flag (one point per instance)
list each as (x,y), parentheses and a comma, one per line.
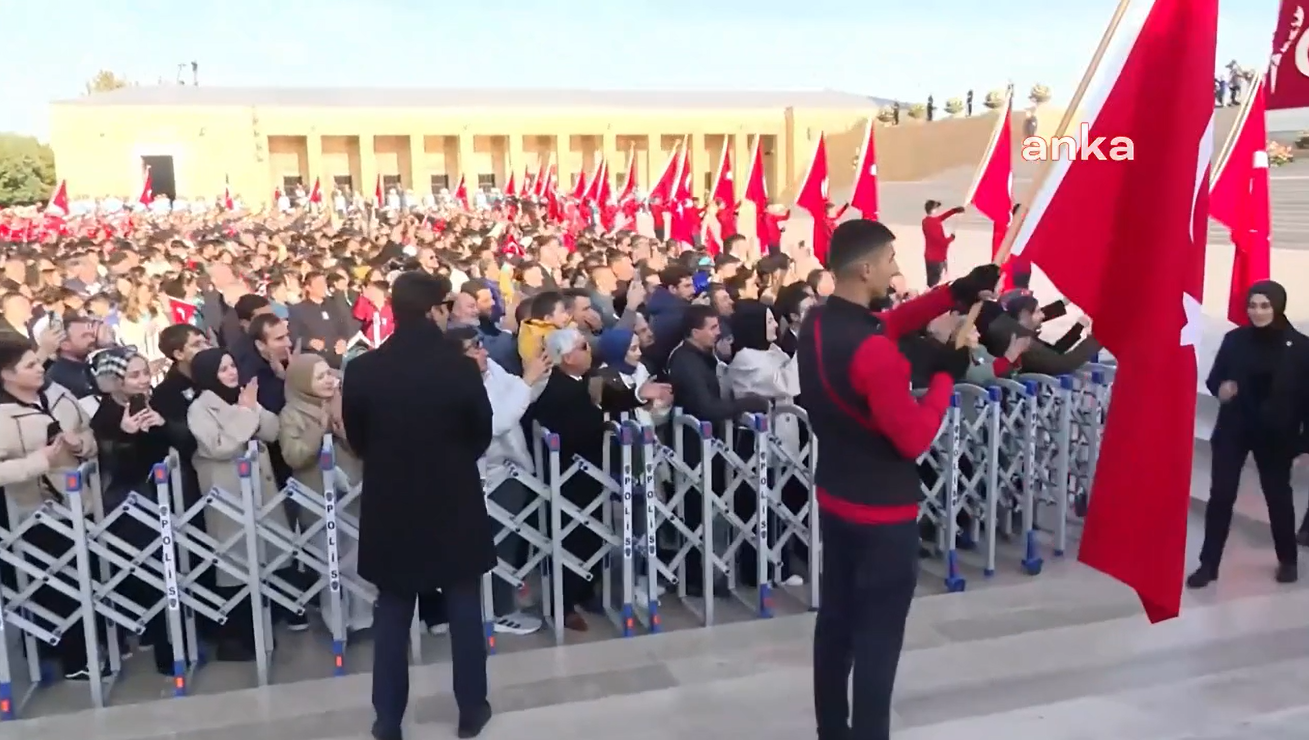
(580,187)
(1238,199)
(543,176)
(992,192)
(596,185)
(59,198)
(812,197)
(316,193)
(147,195)
(629,180)
(756,189)
(1288,68)
(724,188)
(461,192)
(864,195)
(1102,230)
(511,187)
(664,185)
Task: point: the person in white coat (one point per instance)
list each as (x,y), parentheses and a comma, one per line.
(510,396)
(760,367)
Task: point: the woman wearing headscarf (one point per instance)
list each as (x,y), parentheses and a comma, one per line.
(621,377)
(1259,377)
(44,433)
(132,437)
(761,368)
(312,412)
(224,419)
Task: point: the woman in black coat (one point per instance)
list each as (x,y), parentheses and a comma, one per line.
(1259,377)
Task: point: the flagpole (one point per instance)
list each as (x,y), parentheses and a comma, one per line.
(990,146)
(757,161)
(1016,223)
(1235,133)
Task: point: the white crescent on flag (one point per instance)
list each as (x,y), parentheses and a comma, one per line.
(823,187)
(872,170)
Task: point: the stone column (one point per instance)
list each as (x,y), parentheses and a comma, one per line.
(465,164)
(420,180)
(367,167)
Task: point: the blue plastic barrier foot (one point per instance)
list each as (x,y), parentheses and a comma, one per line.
(338,658)
(988,572)
(765,601)
(1032,562)
(954,583)
(179,678)
(965,542)
(629,620)
(488,631)
(656,625)
(6,701)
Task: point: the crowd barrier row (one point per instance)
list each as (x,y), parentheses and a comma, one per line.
(708,513)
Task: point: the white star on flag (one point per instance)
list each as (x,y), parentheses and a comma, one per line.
(872,170)
(1194,328)
(727,176)
(1261,160)
(824,187)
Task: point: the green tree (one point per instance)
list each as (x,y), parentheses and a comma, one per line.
(954,106)
(104,81)
(27,170)
(918,111)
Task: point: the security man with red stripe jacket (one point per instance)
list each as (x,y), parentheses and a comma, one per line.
(855,386)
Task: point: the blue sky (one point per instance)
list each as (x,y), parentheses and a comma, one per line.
(889,48)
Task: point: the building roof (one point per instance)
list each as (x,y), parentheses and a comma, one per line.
(334,97)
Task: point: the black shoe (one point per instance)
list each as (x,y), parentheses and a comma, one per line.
(297,622)
(84,673)
(1302,538)
(472,723)
(234,651)
(1287,573)
(380,734)
(1202,577)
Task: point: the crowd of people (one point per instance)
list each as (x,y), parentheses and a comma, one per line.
(206,331)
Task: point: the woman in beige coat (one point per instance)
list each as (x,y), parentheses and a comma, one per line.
(44,433)
(224,419)
(313,411)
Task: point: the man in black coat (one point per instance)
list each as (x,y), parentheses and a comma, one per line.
(417,413)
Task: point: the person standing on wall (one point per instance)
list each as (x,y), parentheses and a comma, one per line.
(854,384)
(416,412)
(936,243)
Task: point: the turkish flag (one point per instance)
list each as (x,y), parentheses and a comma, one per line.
(59,198)
(662,189)
(147,195)
(228,203)
(864,195)
(812,197)
(511,187)
(461,192)
(181,312)
(598,189)
(993,187)
(379,198)
(1238,199)
(756,191)
(1102,230)
(724,188)
(316,193)
(1288,68)
(581,187)
(628,192)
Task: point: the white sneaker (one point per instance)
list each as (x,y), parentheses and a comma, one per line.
(439,629)
(517,623)
(794,580)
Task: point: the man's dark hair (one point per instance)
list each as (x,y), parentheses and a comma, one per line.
(260,324)
(415,293)
(854,241)
(248,304)
(931,205)
(695,317)
(572,294)
(673,275)
(731,242)
(789,299)
(544,304)
(173,339)
(473,287)
(312,276)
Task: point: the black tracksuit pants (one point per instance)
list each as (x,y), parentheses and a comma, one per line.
(1274,465)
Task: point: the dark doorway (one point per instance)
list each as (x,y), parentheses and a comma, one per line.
(163,181)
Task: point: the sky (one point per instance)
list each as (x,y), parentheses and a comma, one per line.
(885,48)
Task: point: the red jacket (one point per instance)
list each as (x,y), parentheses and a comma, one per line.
(365,313)
(769,227)
(823,229)
(935,241)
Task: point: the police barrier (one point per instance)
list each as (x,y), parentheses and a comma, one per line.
(707,514)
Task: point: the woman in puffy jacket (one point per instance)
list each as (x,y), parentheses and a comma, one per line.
(224,419)
(312,412)
(44,433)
